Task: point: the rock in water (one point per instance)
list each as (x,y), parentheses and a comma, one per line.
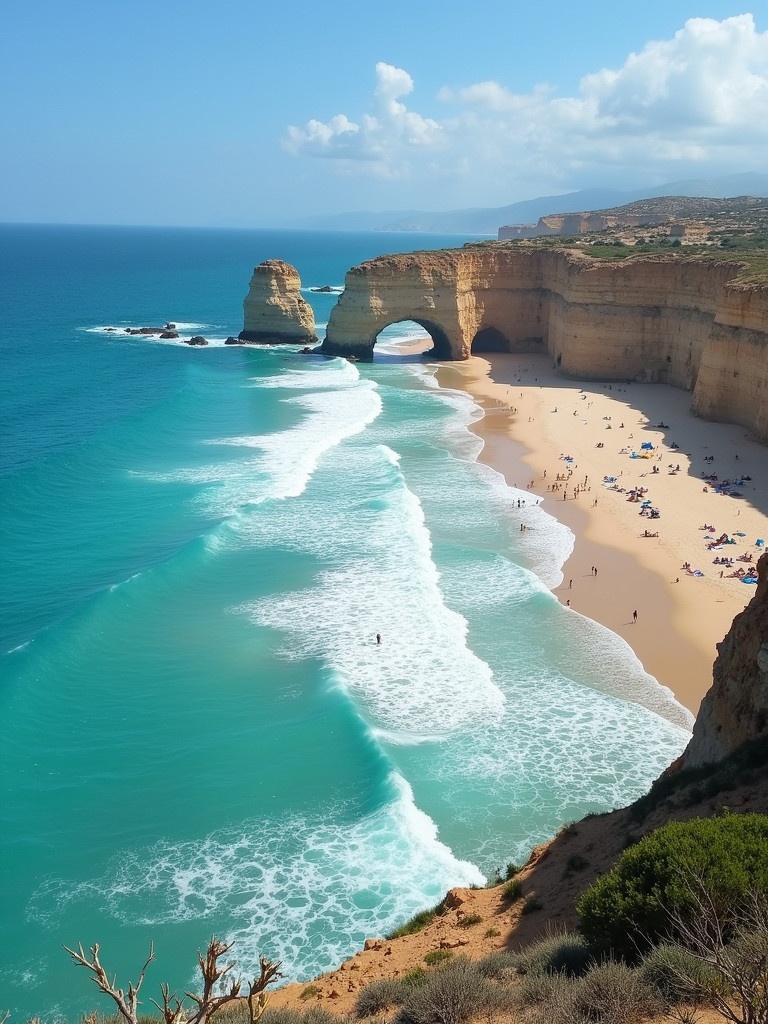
(274,309)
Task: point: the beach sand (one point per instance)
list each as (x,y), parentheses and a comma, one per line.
(534,417)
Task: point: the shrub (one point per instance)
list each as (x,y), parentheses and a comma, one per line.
(576,862)
(450,995)
(633,906)
(469,921)
(512,890)
(497,965)
(543,988)
(309,992)
(675,974)
(609,993)
(556,954)
(437,956)
(281,1016)
(530,904)
(319,1015)
(491,933)
(418,922)
(414,977)
(380,995)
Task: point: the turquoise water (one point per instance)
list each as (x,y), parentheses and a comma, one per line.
(200,733)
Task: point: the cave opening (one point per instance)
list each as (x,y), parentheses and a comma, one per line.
(490,339)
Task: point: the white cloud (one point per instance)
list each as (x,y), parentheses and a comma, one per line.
(693,104)
(383,137)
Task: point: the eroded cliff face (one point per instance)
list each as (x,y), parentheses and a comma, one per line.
(736,707)
(275,310)
(674,320)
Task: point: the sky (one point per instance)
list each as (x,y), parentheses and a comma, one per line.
(256,113)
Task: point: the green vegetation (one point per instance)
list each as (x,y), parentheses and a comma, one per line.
(310,992)
(379,996)
(512,890)
(419,921)
(531,904)
(675,974)
(575,862)
(469,921)
(437,956)
(652,890)
(451,995)
(566,953)
(740,768)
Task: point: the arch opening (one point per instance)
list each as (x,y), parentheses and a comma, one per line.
(418,336)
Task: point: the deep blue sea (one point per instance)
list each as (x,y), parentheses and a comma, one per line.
(199,732)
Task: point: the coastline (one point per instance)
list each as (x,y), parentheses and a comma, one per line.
(533,417)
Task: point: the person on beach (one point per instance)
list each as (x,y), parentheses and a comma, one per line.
(378,638)
(634,616)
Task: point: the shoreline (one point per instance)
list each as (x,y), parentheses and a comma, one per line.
(533,417)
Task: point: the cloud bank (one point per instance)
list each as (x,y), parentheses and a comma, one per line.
(694,104)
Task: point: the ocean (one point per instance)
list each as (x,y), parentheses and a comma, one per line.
(200,734)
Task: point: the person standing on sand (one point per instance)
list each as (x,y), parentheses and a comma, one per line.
(634,617)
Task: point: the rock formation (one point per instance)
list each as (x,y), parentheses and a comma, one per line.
(684,321)
(274,309)
(735,709)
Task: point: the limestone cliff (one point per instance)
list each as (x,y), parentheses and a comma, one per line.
(683,321)
(274,309)
(736,707)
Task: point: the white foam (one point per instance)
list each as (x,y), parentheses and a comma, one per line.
(332,373)
(304,890)
(287,459)
(423,680)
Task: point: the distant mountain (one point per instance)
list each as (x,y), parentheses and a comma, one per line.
(481,221)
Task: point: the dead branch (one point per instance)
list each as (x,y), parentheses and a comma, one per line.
(257,994)
(734,946)
(126,1004)
(213,996)
(172,1008)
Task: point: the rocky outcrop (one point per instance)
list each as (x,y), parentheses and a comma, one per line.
(683,321)
(274,309)
(736,707)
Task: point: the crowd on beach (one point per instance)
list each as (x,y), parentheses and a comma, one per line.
(650,454)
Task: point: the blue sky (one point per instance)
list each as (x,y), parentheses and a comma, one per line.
(257,112)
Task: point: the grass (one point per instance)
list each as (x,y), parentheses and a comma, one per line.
(469,921)
(531,904)
(437,956)
(705,781)
(309,992)
(512,890)
(418,922)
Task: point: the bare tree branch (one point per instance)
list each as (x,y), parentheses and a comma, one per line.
(126,1004)
(213,997)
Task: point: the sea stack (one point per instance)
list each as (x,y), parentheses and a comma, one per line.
(274,309)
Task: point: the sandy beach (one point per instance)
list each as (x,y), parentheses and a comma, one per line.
(571,443)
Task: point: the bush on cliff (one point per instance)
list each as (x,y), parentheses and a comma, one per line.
(663,878)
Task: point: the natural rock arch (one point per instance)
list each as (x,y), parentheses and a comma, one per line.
(682,321)
(441,344)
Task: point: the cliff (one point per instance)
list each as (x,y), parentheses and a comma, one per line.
(274,309)
(683,321)
(735,709)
